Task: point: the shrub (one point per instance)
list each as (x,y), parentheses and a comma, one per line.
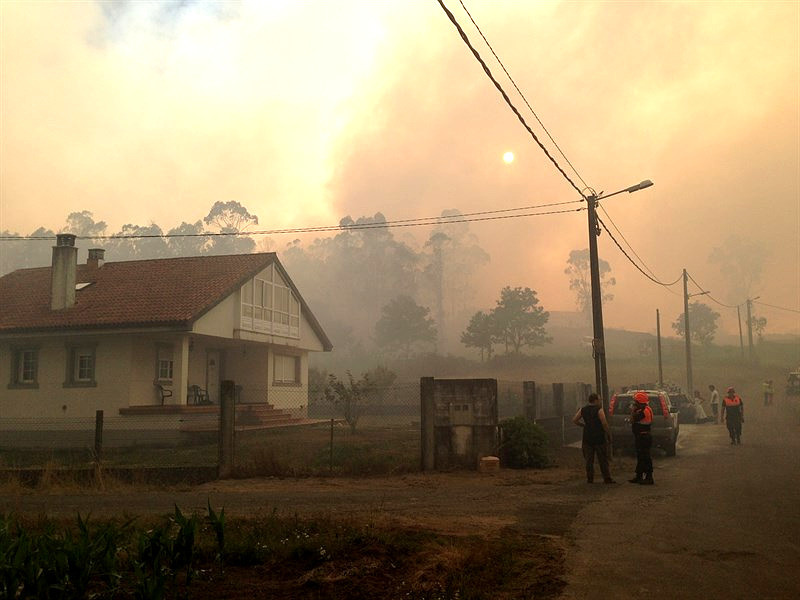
(523,444)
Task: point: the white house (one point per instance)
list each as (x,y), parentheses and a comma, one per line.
(152,337)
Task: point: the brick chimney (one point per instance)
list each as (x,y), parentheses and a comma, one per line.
(65,263)
(95,260)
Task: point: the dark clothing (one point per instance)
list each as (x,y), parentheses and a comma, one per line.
(734,415)
(734,429)
(644,461)
(641,418)
(593,432)
(601,450)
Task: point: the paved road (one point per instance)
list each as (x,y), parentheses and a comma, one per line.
(722,521)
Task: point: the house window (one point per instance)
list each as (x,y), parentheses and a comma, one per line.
(24,368)
(286,370)
(270,306)
(81,366)
(164,363)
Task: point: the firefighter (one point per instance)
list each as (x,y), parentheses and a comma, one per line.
(641,418)
(733,415)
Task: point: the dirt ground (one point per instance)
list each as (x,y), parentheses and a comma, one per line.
(721,522)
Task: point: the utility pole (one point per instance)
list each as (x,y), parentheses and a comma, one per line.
(598,343)
(598,340)
(741,339)
(689,382)
(658,345)
(750,327)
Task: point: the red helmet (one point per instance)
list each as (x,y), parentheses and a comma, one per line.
(641,397)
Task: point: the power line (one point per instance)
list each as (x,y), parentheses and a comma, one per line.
(519,91)
(700,287)
(794,310)
(633,262)
(505,95)
(356,226)
(649,270)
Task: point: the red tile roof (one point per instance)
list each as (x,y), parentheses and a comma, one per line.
(171,292)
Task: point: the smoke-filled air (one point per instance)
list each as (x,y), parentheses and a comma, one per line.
(271,118)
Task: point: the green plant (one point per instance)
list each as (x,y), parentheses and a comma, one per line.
(524,444)
(183,545)
(217,523)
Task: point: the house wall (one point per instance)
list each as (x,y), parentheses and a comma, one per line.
(52,398)
(221,320)
(291,397)
(248,366)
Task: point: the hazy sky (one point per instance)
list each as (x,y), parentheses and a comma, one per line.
(306,111)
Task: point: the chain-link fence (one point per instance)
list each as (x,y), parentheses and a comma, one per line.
(282,431)
(358,432)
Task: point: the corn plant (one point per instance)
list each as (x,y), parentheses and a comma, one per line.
(183,547)
(217,523)
(150,569)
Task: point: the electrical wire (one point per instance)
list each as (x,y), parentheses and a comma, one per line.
(505,95)
(622,235)
(633,262)
(794,310)
(712,298)
(519,91)
(385,225)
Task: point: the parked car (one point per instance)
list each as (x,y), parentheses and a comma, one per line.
(686,408)
(665,426)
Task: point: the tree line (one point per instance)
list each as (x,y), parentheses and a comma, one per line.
(373,290)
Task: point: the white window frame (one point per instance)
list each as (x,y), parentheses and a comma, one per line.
(81,365)
(286,369)
(165,363)
(24,367)
(269,305)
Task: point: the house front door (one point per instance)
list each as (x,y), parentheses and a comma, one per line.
(212,375)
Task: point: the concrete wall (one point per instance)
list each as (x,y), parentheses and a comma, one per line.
(52,398)
(459,422)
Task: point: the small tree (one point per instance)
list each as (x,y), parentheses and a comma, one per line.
(478,334)
(702,323)
(402,325)
(348,397)
(518,320)
(758,324)
(578,271)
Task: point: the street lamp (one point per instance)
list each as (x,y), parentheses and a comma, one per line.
(598,343)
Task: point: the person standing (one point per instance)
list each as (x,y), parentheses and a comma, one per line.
(596,437)
(714,402)
(641,419)
(699,412)
(733,415)
(769,391)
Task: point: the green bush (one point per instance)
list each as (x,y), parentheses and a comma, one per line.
(523,444)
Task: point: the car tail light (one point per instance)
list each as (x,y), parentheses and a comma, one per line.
(612,404)
(664,409)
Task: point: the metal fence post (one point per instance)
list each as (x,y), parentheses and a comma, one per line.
(98,435)
(227,418)
(529,406)
(427,417)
